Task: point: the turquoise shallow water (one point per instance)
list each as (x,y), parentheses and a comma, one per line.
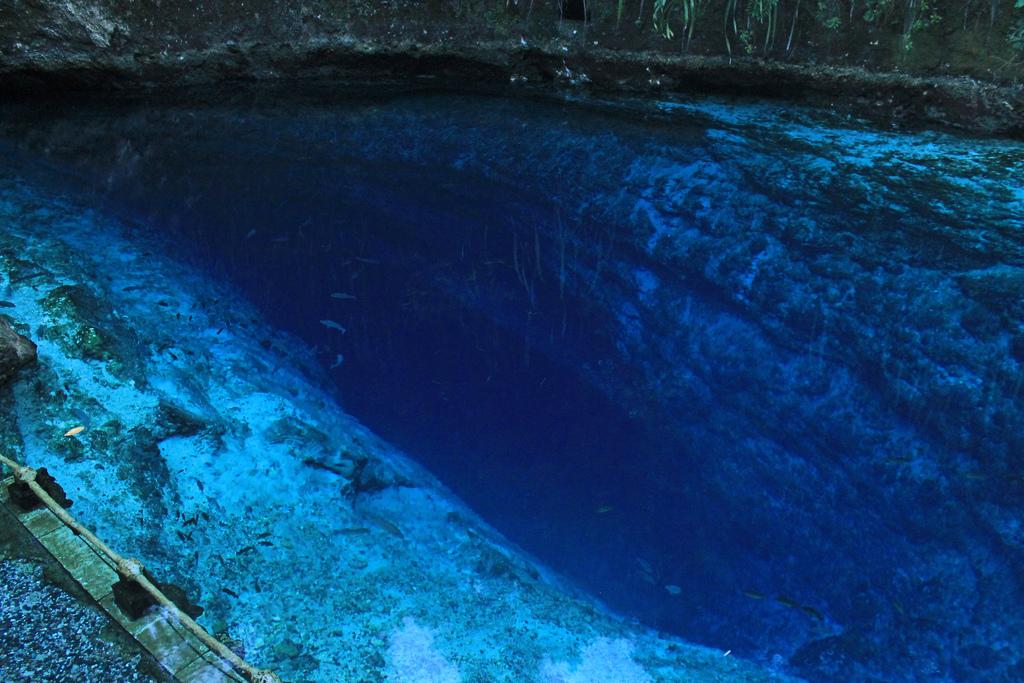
(747,374)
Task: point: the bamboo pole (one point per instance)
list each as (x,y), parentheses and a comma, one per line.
(133,570)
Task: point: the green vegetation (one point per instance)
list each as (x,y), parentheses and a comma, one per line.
(1016,36)
(781,27)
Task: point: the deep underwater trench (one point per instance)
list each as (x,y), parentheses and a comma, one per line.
(450,325)
(751,383)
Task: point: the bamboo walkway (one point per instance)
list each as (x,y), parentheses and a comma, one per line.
(176,642)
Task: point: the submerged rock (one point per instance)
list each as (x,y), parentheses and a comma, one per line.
(85,327)
(16,351)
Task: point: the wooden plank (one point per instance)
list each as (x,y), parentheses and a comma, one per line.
(40,522)
(172,645)
(176,649)
(81,561)
(208,669)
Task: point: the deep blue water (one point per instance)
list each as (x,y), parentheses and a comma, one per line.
(749,374)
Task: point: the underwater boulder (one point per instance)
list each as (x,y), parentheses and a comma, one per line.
(86,327)
(15,352)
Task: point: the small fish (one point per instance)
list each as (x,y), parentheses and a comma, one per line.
(604,509)
(246,549)
(6,304)
(342,296)
(229,592)
(74,430)
(265,543)
(786,601)
(319,465)
(249,235)
(812,613)
(754,595)
(338,360)
(133,288)
(727,653)
(385,524)
(331,325)
(26,278)
(673,589)
(371,261)
(280,239)
(353,531)
(975,476)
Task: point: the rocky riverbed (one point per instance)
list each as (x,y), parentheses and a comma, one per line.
(212,451)
(822,321)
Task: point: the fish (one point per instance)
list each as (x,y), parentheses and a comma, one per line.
(342,296)
(7,304)
(26,278)
(786,601)
(246,549)
(604,509)
(331,325)
(319,465)
(754,595)
(353,531)
(229,592)
(385,524)
(74,430)
(812,613)
(249,235)
(338,360)
(673,589)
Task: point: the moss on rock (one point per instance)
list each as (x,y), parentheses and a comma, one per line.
(84,327)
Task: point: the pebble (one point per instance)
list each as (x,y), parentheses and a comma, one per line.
(47,636)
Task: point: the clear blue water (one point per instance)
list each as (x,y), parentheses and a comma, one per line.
(749,374)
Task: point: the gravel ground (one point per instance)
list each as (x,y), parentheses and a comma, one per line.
(47,636)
